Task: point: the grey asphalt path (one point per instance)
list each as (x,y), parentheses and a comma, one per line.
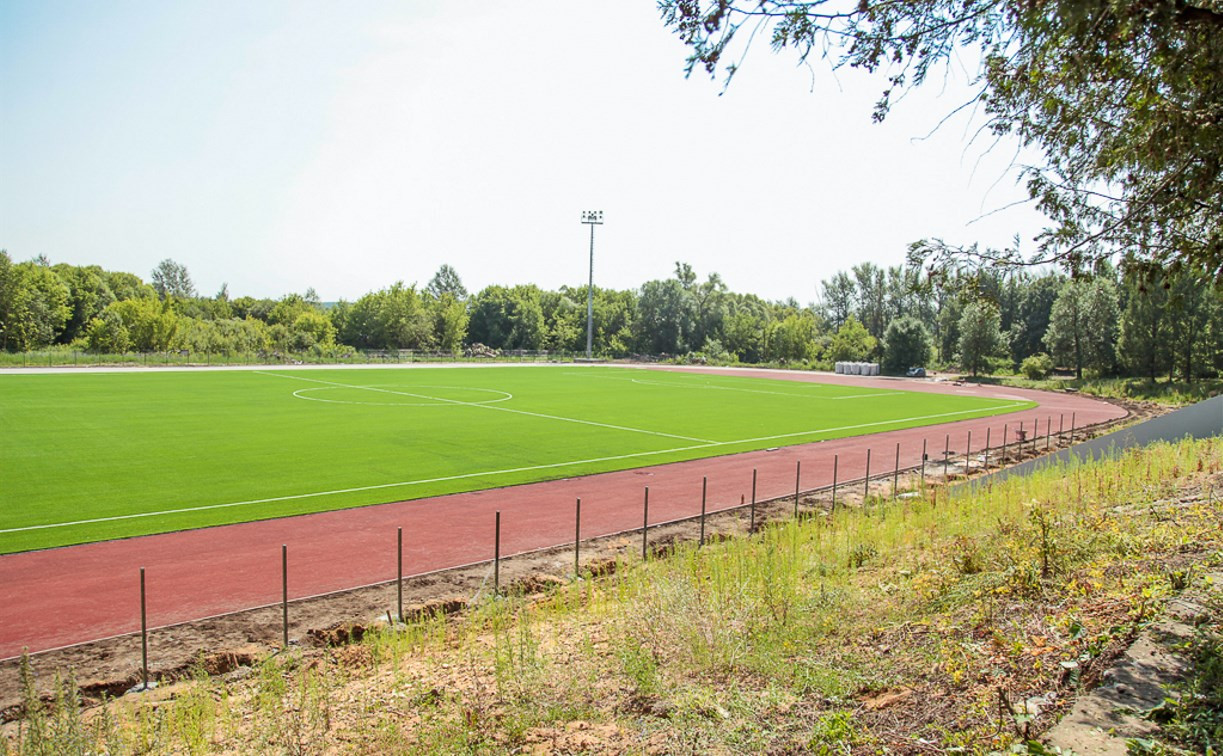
(1201,420)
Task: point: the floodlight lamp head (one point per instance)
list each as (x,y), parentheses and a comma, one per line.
(592,216)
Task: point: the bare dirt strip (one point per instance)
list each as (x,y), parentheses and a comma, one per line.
(59,597)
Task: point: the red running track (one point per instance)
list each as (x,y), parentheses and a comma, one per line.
(64,596)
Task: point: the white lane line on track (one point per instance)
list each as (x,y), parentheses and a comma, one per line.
(532,468)
(492,407)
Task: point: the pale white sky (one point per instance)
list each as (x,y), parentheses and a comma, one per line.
(281,145)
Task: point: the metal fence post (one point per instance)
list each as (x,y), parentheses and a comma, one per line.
(798,471)
(751,527)
(967,453)
(1048,430)
(704,490)
(497,554)
(1003,454)
(987,430)
(1061,427)
(577,539)
(923,463)
(645,526)
(866,481)
(144,637)
(1072,426)
(835,459)
(399,572)
(284,593)
(946,455)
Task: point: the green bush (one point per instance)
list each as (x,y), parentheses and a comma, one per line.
(1037,366)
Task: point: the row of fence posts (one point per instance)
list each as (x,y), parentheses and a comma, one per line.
(645,526)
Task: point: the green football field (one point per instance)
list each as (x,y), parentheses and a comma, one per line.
(92,456)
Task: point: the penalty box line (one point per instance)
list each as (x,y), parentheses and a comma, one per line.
(486,473)
(491,407)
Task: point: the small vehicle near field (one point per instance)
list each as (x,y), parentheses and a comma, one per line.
(916,372)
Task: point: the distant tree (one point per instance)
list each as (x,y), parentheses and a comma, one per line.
(872,298)
(403,321)
(709,310)
(1143,341)
(290,307)
(838,297)
(906,344)
(1083,325)
(128,286)
(171,280)
(151,325)
(106,334)
(792,338)
(906,295)
(446,281)
(244,336)
(8,301)
(88,293)
(947,325)
(35,305)
(449,322)
(249,307)
(1027,331)
(564,320)
(851,342)
(980,335)
(665,321)
(744,327)
(1191,305)
(311,329)
(685,275)
(614,315)
(507,318)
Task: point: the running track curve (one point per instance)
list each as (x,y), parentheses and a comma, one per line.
(65,596)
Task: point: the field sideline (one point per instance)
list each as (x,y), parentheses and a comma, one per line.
(93,456)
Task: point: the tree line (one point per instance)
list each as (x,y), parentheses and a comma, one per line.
(1109,323)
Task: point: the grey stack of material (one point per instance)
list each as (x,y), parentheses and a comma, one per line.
(857,368)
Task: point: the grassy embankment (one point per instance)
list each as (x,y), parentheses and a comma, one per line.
(928,624)
(1169,393)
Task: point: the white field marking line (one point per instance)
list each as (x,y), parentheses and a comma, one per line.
(532,468)
(357,489)
(870,425)
(791,394)
(300,394)
(491,407)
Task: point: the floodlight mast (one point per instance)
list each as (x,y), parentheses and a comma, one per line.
(591,218)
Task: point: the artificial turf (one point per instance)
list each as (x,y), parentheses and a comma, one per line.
(212,447)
